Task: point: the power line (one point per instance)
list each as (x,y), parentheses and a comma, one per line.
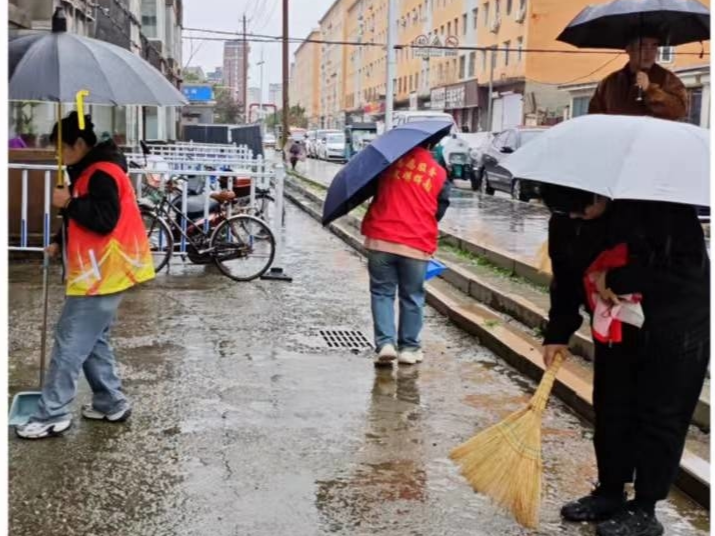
(262,38)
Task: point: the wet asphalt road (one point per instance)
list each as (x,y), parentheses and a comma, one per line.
(516,227)
(246,424)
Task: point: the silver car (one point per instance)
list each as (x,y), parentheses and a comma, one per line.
(333,148)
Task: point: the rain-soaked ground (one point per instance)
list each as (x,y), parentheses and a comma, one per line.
(246,424)
(513,226)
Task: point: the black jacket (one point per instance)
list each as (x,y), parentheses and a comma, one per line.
(668,264)
(99,209)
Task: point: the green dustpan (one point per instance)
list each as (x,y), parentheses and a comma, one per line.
(25,403)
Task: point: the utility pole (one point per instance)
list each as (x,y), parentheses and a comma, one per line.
(390,85)
(245,72)
(492,63)
(286,74)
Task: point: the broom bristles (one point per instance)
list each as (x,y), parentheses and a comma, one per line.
(504,462)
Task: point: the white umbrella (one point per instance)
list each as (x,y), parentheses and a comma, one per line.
(621,157)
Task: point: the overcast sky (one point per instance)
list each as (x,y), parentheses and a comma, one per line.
(266,18)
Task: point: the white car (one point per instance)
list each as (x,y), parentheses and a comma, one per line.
(269,140)
(400,118)
(333,147)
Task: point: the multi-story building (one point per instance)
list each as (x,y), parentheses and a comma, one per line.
(234,67)
(526,87)
(305,80)
(333,63)
(161,46)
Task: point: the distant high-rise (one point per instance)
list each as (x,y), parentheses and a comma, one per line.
(275,95)
(233,68)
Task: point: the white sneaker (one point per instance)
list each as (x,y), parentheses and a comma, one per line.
(410,357)
(385,356)
(40,430)
(88,412)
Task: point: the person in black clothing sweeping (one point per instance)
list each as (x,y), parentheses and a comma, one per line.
(647,380)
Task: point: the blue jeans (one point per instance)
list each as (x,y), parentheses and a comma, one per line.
(81,343)
(390,273)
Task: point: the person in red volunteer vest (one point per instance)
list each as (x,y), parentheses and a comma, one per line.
(400,231)
(106,253)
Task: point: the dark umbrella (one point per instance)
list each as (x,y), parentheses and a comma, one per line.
(613,25)
(356,182)
(54,66)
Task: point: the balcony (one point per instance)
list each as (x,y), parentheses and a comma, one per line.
(495,24)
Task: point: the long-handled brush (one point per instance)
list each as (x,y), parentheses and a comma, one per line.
(504,461)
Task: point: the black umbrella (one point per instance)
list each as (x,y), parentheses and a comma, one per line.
(55,66)
(614,25)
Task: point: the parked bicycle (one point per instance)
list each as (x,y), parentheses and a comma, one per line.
(242,246)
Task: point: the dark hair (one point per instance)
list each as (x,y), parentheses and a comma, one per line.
(71,132)
(565,200)
(646,31)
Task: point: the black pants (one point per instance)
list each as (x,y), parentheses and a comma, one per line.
(645,392)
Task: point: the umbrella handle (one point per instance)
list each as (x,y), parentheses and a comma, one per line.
(541,396)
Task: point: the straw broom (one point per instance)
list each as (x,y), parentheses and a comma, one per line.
(504,461)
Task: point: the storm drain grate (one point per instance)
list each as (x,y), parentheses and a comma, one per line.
(353,340)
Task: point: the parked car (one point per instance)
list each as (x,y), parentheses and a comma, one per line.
(478,143)
(320,141)
(496,177)
(333,147)
(400,118)
(269,140)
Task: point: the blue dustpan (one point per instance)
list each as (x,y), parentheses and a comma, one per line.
(434,268)
(25,403)
(24,406)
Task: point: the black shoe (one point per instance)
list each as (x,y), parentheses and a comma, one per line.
(632,521)
(597,506)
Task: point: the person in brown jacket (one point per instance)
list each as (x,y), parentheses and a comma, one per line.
(662,93)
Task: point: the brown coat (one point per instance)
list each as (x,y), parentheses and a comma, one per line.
(617,94)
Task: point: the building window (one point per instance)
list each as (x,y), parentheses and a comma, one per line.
(496,8)
(508,7)
(472,62)
(462,67)
(456,26)
(485,10)
(464,24)
(695,105)
(475,17)
(520,49)
(665,55)
(441,30)
(507,44)
(449,28)
(484,59)
(579,106)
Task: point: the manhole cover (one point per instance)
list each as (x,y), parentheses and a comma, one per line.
(353,340)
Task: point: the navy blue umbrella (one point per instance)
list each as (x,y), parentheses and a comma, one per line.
(357,181)
(615,24)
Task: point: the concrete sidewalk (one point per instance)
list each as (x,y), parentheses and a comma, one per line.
(245,422)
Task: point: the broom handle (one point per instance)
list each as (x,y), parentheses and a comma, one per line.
(541,396)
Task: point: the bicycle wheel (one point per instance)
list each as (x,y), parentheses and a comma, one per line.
(243,247)
(161,240)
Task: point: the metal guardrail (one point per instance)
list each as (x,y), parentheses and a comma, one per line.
(257,171)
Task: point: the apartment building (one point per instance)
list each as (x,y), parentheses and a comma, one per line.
(305,81)
(333,66)
(527,87)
